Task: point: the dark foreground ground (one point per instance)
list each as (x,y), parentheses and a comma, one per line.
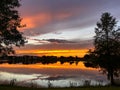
(80,88)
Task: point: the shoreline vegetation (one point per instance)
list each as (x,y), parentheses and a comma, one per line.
(8,87)
(26,59)
(50,83)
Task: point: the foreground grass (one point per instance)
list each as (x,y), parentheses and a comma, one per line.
(80,88)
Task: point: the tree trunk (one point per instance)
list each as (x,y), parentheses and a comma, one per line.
(112,78)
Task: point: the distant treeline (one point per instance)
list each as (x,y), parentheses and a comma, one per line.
(36,59)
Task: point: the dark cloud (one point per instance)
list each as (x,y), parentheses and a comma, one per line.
(55,41)
(60,45)
(58,41)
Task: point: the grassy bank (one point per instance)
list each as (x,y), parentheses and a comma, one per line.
(80,88)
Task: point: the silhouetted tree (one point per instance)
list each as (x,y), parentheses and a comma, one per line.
(10,21)
(106,53)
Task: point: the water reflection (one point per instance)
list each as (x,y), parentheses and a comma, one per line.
(80,65)
(57,74)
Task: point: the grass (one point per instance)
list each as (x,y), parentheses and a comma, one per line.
(3,87)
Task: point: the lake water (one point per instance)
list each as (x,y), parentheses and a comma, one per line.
(51,75)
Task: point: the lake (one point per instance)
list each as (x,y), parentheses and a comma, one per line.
(51,75)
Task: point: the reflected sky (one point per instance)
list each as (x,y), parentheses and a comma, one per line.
(56,73)
(56,68)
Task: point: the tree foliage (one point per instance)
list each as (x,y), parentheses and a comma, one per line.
(106,53)
(10,21)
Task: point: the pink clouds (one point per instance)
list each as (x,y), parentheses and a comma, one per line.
(36,20)
(45,16)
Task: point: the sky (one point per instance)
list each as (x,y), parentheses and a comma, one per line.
(62,27)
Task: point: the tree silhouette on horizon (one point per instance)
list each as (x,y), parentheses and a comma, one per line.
(10,21)
(106,53)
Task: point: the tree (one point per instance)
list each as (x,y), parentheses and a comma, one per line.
(10,21)
(106,53)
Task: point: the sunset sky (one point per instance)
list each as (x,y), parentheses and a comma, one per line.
(62,27)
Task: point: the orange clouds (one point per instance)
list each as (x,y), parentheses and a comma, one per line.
(79,53)
(29,23)
(54,47)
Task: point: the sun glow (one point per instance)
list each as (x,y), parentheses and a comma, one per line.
(79,53)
